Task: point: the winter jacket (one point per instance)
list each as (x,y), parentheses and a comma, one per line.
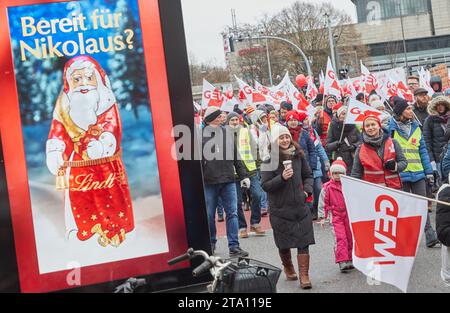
(443,216)
(428,170)
(402,163)
(322,158)
(262,138)
(302,137)
(434,129)
(335,204)
(447,131)
(347,147)
(445,165)
(219,170)
(421,113)
(290,218)
(322,124)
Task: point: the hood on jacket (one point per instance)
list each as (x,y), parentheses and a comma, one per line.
(436,80)
(394,125)
(440,99)
(256,116)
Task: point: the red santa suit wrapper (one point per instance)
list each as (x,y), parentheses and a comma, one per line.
(84,150)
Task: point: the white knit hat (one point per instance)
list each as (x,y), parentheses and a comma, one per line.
(278,130)
(338,166)
(377,104)
(211,114)
(257,116)
(372,98)
(340,110)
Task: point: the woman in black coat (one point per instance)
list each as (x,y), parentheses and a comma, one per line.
(434,129)
(346,147)
(287,188)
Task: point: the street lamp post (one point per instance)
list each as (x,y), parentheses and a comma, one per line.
(330,37)
(268,62)
(308,66)
(403,34)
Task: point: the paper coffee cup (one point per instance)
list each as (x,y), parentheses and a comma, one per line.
(287,164)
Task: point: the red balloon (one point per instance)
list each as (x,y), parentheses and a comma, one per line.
(301,80)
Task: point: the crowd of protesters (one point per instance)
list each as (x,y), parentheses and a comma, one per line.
(408,150)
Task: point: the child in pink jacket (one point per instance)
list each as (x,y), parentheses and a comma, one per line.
(334,203)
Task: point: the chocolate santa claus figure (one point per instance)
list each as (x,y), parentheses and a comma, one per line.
(84,153)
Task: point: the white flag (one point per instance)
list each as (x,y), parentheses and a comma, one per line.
(369,80)
(387,226)
(331,86)
(311,91)
(273,98)
(357,111)
(211,96)
(321,78)
(424,77)
(253,96)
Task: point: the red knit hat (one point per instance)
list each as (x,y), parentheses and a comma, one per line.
(368,115)
(338,166)
(302,115)
(292,115)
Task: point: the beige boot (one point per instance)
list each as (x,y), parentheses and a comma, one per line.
(288,267)
(303,265)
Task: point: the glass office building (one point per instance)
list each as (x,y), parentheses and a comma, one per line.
(386,9)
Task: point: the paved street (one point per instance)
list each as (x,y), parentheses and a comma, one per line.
(325,274)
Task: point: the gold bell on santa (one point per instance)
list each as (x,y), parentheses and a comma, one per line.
(61,182)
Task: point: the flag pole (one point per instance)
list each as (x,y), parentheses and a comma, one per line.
(343,124)
(400,191)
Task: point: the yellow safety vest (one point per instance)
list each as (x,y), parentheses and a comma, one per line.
(245,149)
(410,148)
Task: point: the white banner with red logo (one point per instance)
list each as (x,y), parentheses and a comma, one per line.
(274,98)
(425,77)
(331,82)
(311,91)
(291,93)
(252,96)
(357,111)
(369,80)
(387,226)
(211,96)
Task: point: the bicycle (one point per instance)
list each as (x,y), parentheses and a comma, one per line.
(242,276)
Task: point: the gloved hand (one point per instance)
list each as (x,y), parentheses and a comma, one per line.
(434,166)
(327,166)
(430,179)
(339,145)
(391,165)
(245,183)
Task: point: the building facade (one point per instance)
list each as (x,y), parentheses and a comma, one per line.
(426,29)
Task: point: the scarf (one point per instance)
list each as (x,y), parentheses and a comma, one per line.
(405,127)
(296,132)
(376,141)
(287,154)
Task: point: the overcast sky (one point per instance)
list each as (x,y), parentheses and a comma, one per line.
(204,20)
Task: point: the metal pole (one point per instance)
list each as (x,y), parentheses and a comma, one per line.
(308,66)
(330,37)
(403,35)
(268,63)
